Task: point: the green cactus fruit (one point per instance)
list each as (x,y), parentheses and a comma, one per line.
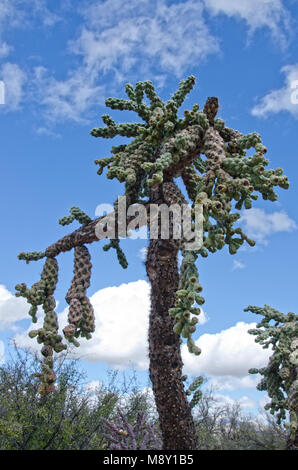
(178,328)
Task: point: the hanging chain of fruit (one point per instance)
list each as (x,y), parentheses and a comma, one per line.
(80,312)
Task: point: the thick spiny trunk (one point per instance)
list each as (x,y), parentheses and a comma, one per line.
(175,416)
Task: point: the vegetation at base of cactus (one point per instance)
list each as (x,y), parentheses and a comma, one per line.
(70,417)
(280,376)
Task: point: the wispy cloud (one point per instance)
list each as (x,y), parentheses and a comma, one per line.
(23,14)
(67,99)
(282,99)
(14,79)
(136,40)
(271,14)
(20,13)
(44,131)
(5,49)
(141,34)
(40,8)
(237,265)
(9,13)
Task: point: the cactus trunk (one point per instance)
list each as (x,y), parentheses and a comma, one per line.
(176,421)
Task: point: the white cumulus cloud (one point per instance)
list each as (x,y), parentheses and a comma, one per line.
(122,320)
(122,323)
(230,352)
(224,400)
(121,316)
(121,338)
(12,309)
(228,382)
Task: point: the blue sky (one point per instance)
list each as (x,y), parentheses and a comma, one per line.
(59,61)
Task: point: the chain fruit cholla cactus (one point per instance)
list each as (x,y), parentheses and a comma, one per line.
(280,376)
(210,159)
